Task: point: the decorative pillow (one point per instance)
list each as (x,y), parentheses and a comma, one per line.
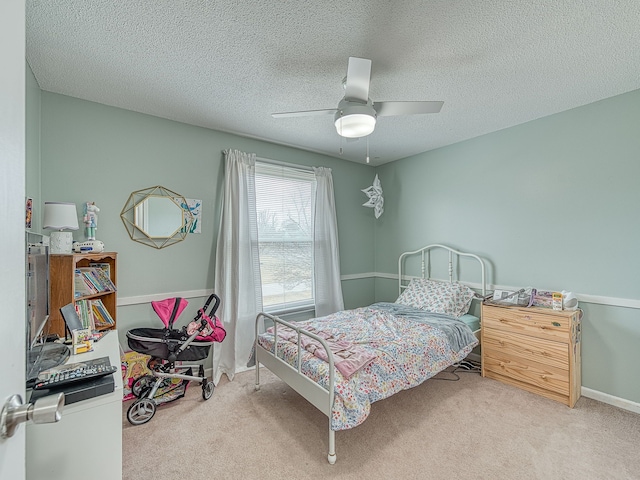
(438,297)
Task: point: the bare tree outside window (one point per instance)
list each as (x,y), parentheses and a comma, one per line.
(285,235)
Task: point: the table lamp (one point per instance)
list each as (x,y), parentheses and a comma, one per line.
(60,216)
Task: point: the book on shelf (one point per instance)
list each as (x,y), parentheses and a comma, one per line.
(98,278)
(80,287)
(91,284)
(92,280)
(93,314)
(101,315)
(83,309)
(105,279)
(103,271)
(103,266)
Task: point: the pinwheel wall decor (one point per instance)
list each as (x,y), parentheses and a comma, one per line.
(376,200)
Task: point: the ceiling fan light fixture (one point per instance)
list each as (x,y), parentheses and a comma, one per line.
(356,114)
(355,125)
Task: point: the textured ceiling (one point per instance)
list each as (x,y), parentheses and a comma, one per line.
(227,65)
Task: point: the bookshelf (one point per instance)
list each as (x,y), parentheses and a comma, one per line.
(68,286)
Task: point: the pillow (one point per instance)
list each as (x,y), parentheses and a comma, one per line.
(438,297)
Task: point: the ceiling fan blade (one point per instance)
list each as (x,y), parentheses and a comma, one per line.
(306,113)
(387,109)
(358,78)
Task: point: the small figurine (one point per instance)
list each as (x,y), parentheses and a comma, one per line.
(91,219)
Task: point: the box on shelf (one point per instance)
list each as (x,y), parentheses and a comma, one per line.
(82,340)
(543,299)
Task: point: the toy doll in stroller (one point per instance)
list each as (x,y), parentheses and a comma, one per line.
(174,354)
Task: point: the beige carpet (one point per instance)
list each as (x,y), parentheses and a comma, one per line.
(474,428)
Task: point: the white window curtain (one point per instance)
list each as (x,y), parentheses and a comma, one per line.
(326,258)
(237,272)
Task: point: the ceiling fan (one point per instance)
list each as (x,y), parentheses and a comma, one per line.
(356,113)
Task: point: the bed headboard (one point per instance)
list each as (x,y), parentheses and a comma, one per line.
(424,266)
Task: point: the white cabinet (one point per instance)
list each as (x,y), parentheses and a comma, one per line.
(87,441)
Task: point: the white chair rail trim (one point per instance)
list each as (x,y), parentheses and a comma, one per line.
(138,299)
(582,297)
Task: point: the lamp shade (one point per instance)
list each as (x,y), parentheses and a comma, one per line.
(60,216)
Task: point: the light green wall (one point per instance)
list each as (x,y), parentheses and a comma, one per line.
(545,203)
(92,152)
(550,204)
(32,148)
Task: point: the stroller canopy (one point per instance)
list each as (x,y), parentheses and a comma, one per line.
(169,309)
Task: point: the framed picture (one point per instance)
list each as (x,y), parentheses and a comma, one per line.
(28,213)
(194,206)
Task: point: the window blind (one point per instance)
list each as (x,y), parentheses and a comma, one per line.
(284,205)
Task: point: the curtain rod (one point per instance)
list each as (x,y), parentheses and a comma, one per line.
(284,164)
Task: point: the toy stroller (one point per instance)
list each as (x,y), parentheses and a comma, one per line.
(167,346)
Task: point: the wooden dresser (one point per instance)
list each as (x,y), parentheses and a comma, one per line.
(536,349)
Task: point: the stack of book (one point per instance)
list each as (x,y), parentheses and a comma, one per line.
(93,314)
(92,280)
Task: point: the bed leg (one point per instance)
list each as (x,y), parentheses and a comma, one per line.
(332,446)
(257,387)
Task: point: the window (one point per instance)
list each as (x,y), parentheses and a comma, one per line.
(284,206)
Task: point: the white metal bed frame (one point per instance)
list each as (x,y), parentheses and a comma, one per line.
(424,268)
(317,395)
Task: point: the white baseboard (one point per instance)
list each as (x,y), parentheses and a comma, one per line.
(593,394)
(610,399)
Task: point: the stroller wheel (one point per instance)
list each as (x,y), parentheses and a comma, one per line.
(141,411)
(142,385)
(207,390)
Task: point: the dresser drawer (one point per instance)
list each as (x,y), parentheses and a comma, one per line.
(528,322)
(535,349)
(543,376)
(527,348)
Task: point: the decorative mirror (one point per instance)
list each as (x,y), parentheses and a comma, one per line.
(157,217)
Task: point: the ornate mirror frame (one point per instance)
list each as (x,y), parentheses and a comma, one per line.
(137,210)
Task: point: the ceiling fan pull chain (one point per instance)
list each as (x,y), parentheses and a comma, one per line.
(367,148)
(341,139)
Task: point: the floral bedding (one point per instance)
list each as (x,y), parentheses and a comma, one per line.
(410,346)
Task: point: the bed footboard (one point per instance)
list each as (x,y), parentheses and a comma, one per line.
(317,395)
